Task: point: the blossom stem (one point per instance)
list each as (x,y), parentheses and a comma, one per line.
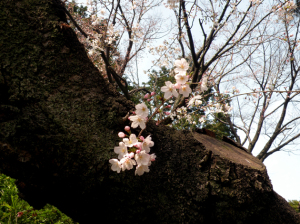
(155,112)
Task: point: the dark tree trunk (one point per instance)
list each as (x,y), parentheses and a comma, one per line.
(59,121)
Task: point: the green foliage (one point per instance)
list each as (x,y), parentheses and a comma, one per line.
(219,128)
(157,80)
(81,10)
(295,205)
(15,210)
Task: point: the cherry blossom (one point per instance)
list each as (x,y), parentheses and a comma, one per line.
(138,120)
(116,165)
(127,163)
(181,66)
(121,134)
(121,150)
(140,169)
(181,78)
(202,120)
(185,90)
(147,143)
(142,158)
(169,90)
(142,110)
(203,85)
(131,141)
(139,147)
(102,11)
(227,107)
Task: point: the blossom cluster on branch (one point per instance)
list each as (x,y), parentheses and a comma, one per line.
(134,150)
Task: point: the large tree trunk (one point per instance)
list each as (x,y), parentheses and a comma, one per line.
(59,120)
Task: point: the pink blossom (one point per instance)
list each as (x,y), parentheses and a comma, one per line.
(138,120)
(121,134)
(142,158)
(127,163)
(169,90)
(138,145)
(181,66)
(121,150)
(116,165)
(140,169)
(141,110)
(130,155)
(147,96)
(185,90)
(147,144)
(127,128)
(152,157)
(153,93)
(132,140)
(181,78)
(177,86)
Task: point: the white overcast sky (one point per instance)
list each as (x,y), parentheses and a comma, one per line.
(283,167)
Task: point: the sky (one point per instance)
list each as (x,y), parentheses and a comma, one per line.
(283,168)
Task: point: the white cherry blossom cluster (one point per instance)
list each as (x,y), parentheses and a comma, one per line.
(109,35)
(165,53)
(137,32)
(255,2)
(170,89)
(134,150)
(285,11)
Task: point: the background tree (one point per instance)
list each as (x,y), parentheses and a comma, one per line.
(240,32)
(246,51)
(272,79)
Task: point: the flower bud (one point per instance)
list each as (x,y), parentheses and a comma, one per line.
(153,93)
(147,96)
(138,145)
(131,155)
(149,100)
(177,86)
(142,138)
(121,134)
(167,113)
(168,106)
(127,128)
(137,151)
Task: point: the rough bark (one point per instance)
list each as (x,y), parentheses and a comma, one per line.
(59,121)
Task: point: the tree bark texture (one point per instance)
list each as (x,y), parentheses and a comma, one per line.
(59,120)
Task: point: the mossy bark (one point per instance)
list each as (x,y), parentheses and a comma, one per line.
(59,120)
